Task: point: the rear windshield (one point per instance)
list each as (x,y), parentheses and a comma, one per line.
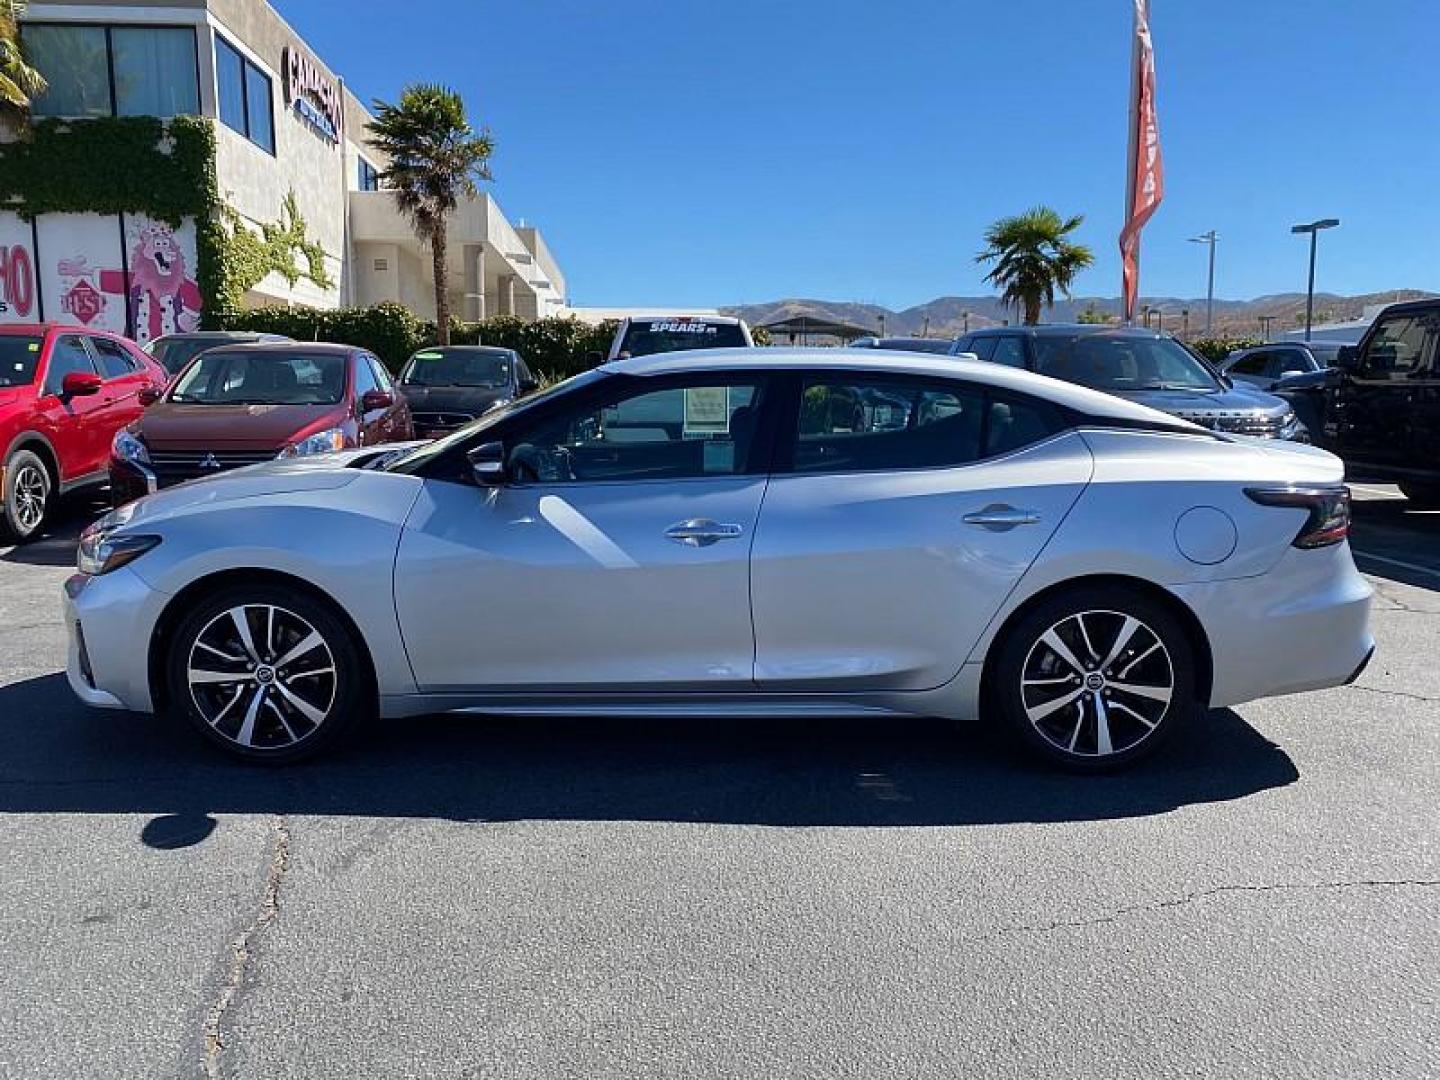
(649,336)
(174,353)
(459,367)
(1115,362)
(240,377)
(18,357)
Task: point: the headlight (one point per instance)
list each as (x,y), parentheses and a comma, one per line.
(322,442)
(104,548)
(127,447)
(1290,426)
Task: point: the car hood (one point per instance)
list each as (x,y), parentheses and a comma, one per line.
(467,399)
(1193,403)
(261,427)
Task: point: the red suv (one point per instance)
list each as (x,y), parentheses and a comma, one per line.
(238,405)
(64,393)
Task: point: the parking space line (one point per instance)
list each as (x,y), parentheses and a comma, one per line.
(1413,567)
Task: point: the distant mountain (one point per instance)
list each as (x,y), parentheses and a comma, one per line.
(946,315)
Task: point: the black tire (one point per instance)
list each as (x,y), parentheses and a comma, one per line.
(26,478)
(279,732)
(1030,678)
(1422,496)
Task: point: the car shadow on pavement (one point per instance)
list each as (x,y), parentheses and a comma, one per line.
(56,546)
(65,758)
(1393,539)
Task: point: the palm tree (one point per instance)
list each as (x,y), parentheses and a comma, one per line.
(435,159)
(19,82)
(1033,258)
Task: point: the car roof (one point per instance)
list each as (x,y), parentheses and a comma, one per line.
(723,320)
(46,327)
(1075,329)
(464,348)
(880,362)
(308,348)
(912,338)
(224,335)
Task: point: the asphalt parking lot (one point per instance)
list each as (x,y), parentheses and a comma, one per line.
(503,898)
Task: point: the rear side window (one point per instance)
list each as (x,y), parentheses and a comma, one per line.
(115,362)
(1009,351)
(863,425)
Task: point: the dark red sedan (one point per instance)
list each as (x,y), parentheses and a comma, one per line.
(240,405)
(64,392)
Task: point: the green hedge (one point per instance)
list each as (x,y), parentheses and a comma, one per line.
(554,348)
(1216,349)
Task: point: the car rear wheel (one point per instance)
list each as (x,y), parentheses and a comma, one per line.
(1424,496)
(266,673)
(26,496)
(1094,679)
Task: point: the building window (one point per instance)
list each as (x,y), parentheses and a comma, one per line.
(245,96)
(114,70)
(369,176)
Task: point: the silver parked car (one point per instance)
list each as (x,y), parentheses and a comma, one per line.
(1264,366)
(740,533)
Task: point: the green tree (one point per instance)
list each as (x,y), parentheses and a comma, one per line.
(1092,315)
(1032,258)
(435,160)
(19,82)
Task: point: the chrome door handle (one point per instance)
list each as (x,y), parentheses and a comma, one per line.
(702,532)
(999,517)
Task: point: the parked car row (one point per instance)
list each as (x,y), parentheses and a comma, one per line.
(84,408)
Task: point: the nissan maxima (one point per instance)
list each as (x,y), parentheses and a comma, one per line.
(742,533)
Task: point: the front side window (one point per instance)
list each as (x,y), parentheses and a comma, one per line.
(1009,351)
(236,377)
(155,72)
(382,377)
(75,62)
(983,347)
(679,433)
(68,355)
(1255,364)
(245,96)
(1120,362)
(115,362)
(364,379)
(1399,345)
(19,357)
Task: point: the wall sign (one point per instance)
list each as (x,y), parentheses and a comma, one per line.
(164,298)
(18,299)
(82,270)
(313,95)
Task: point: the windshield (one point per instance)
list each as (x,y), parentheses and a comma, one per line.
(648,336)
(18,357)
(242,377)
(462,366)
(417,458)
(1118,362)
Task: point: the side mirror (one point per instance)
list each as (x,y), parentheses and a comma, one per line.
(594,358)
(374,400)
(1291,371)
(487,464)
(80,384)
(1348,358)
(149,395)
(528,386)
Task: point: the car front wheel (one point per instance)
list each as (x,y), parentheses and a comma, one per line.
(26,496)
(266,673)
(1095,679)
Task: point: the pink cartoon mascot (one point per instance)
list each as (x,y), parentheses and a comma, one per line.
(163,299)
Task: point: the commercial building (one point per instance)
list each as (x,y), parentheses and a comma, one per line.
(197,155)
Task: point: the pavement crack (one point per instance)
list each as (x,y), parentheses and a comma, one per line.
(1394,693)
(242,948)
(1204,894)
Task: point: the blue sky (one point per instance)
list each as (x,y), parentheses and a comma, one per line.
(689,152)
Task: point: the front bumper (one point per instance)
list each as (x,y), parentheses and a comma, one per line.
(110,621)
(130,480)
(1304,625)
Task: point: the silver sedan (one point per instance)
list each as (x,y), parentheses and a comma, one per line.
(750,532)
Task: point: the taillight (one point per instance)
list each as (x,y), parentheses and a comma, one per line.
(1329,508)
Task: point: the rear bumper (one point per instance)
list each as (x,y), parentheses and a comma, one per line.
(1304,625)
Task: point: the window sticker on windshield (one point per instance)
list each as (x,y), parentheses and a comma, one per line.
(707,411)
(34,346)
(429,356)
(719,456)
(683,328)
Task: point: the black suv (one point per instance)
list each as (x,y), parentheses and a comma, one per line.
(1146,366)
(1379,406)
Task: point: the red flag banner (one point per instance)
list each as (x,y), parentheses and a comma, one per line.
(1145,172)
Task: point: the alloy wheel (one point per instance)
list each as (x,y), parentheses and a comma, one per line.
(262,676)
(1097,683)
(30,493)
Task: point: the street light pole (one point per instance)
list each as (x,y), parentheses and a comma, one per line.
(1313,228)
(1209,238)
